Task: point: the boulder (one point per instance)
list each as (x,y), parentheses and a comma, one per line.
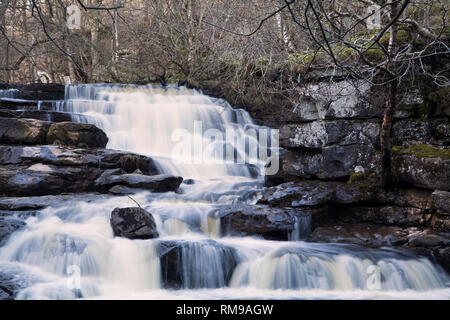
(318,134)
(81,135)
(423,166)
(23,131)
(271,223)
(133,223)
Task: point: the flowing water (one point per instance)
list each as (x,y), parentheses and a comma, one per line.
(68,250)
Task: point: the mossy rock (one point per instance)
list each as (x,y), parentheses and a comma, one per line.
(423,151)
(441,99)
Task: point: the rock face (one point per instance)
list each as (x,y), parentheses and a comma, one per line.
(319,134)
(434,131)
(133,223)
(79,135)
(271,223)
(424,172)
(23,131)
(332,162)
(337,100)
(33,132)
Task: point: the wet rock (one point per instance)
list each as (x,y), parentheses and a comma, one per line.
(133,223)
(196,264)
(73,134)
(271,223)
(424,172)
(319,134)
(23,131)
(157,183)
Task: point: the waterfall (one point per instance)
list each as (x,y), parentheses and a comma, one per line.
(68,250)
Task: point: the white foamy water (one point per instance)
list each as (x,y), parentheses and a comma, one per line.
(190,255)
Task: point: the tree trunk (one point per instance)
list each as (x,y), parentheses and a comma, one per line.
(385,137)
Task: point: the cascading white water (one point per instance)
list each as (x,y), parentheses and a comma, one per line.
(190,254)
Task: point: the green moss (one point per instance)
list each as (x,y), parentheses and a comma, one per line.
(356,176)
(423,151)
(374,54)
(442,100)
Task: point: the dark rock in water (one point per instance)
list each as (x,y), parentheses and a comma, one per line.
(80,135)
(23,131)
(157,183)
(133,223)
(196,264)
(424,172)
(189,181)
(271,223)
